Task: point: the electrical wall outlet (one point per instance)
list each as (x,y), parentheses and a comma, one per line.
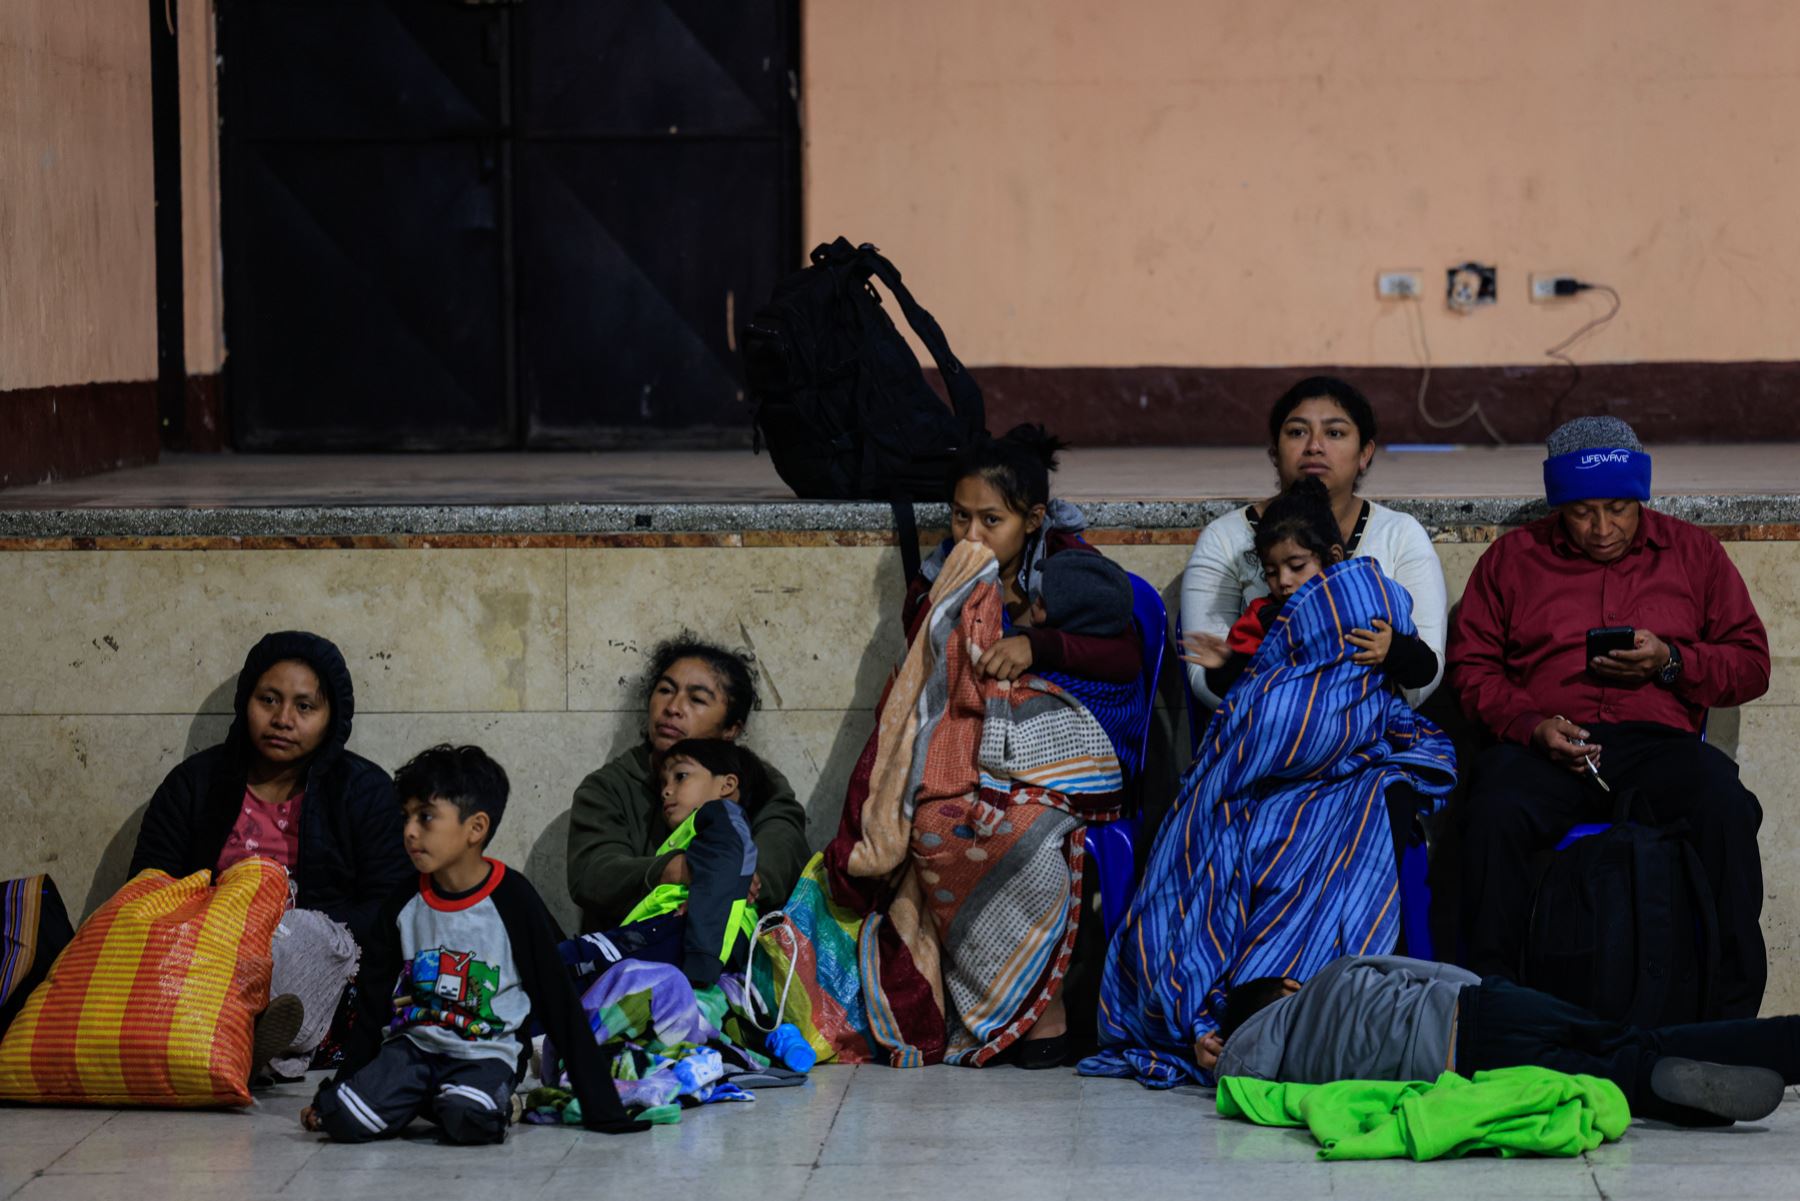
(1398,285)
(1544,288)
(1470,286)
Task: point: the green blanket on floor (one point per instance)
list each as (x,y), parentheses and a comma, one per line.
(1514,1111)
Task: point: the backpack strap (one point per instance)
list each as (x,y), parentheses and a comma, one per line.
(906,529)
(1624,800)
(1709,929)
(965,394)
(1652,888)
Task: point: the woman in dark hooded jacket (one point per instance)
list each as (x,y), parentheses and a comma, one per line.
(283,785)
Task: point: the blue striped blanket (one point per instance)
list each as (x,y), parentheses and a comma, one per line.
(1276,857)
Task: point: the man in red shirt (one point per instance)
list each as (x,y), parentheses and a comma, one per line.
(1517,658)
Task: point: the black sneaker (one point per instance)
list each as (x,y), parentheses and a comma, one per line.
(1041,1054)
(1741,1094)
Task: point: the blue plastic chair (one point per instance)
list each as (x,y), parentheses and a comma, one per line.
(1415,897)
(1113,845)
(1153,632)
(1415,860)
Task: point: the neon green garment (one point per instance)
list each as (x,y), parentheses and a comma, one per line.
(667,898)
(1514,1111)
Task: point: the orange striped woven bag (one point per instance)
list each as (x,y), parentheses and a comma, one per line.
(153,1001)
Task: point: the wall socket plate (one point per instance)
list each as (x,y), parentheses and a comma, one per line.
(1470,286)
(1543,287)
(1399,285)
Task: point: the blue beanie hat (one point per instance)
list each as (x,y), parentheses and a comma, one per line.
(1595,458)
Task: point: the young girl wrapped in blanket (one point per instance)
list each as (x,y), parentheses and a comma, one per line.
(1297,538)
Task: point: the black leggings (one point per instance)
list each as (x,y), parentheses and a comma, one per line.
(1501,1024)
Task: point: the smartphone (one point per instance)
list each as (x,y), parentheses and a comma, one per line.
(1607,639)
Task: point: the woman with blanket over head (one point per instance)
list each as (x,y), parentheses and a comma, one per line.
(961,839)
(1276,858)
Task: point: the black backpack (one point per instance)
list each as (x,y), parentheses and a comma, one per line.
(1623,924)
(841,401)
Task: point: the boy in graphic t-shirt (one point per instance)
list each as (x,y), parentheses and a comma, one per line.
(471,954)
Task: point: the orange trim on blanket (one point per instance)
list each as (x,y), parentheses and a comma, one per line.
(1305,721)
(1385,906)
(1286,842)
(1350,851)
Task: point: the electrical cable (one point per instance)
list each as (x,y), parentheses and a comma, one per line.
(1474,410)
(1557,352)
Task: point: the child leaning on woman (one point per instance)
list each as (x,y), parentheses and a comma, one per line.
(1297,538)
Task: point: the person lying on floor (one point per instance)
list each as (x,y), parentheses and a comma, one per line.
(1385,1017)
(705,923)
(470,952)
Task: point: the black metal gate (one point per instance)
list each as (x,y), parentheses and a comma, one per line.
(466,226)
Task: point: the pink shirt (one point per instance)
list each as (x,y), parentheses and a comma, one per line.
(271,830)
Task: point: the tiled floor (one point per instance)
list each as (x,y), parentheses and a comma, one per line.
(1142,473)
(853,1132)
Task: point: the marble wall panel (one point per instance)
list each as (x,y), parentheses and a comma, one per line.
(73,789)
(479,645)
(166,632)
(823,623)
(1771,570)
(1768,756)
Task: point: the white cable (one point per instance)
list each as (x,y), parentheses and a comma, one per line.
(751,996)
(1474,410)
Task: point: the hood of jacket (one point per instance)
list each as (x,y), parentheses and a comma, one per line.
(327,662)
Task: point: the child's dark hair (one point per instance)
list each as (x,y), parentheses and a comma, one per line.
(717,756)
(723,758)
(1017,465)
(729,668)
(1328,387)
(1246,1000)
(464,776)
(1302,513)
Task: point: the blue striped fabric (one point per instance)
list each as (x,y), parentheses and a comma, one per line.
(1121,709)
(1276,857)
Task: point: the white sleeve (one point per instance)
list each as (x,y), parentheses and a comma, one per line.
(1213,595)
(1414,565)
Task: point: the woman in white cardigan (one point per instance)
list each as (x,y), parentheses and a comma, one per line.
(1321,426)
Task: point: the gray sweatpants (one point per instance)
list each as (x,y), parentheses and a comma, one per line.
(468,1098)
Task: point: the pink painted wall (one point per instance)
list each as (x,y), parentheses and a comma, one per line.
(77,240)
(1217,182)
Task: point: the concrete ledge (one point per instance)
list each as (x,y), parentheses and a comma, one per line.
(1447,518)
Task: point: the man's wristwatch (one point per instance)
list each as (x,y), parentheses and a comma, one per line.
(1672,668)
